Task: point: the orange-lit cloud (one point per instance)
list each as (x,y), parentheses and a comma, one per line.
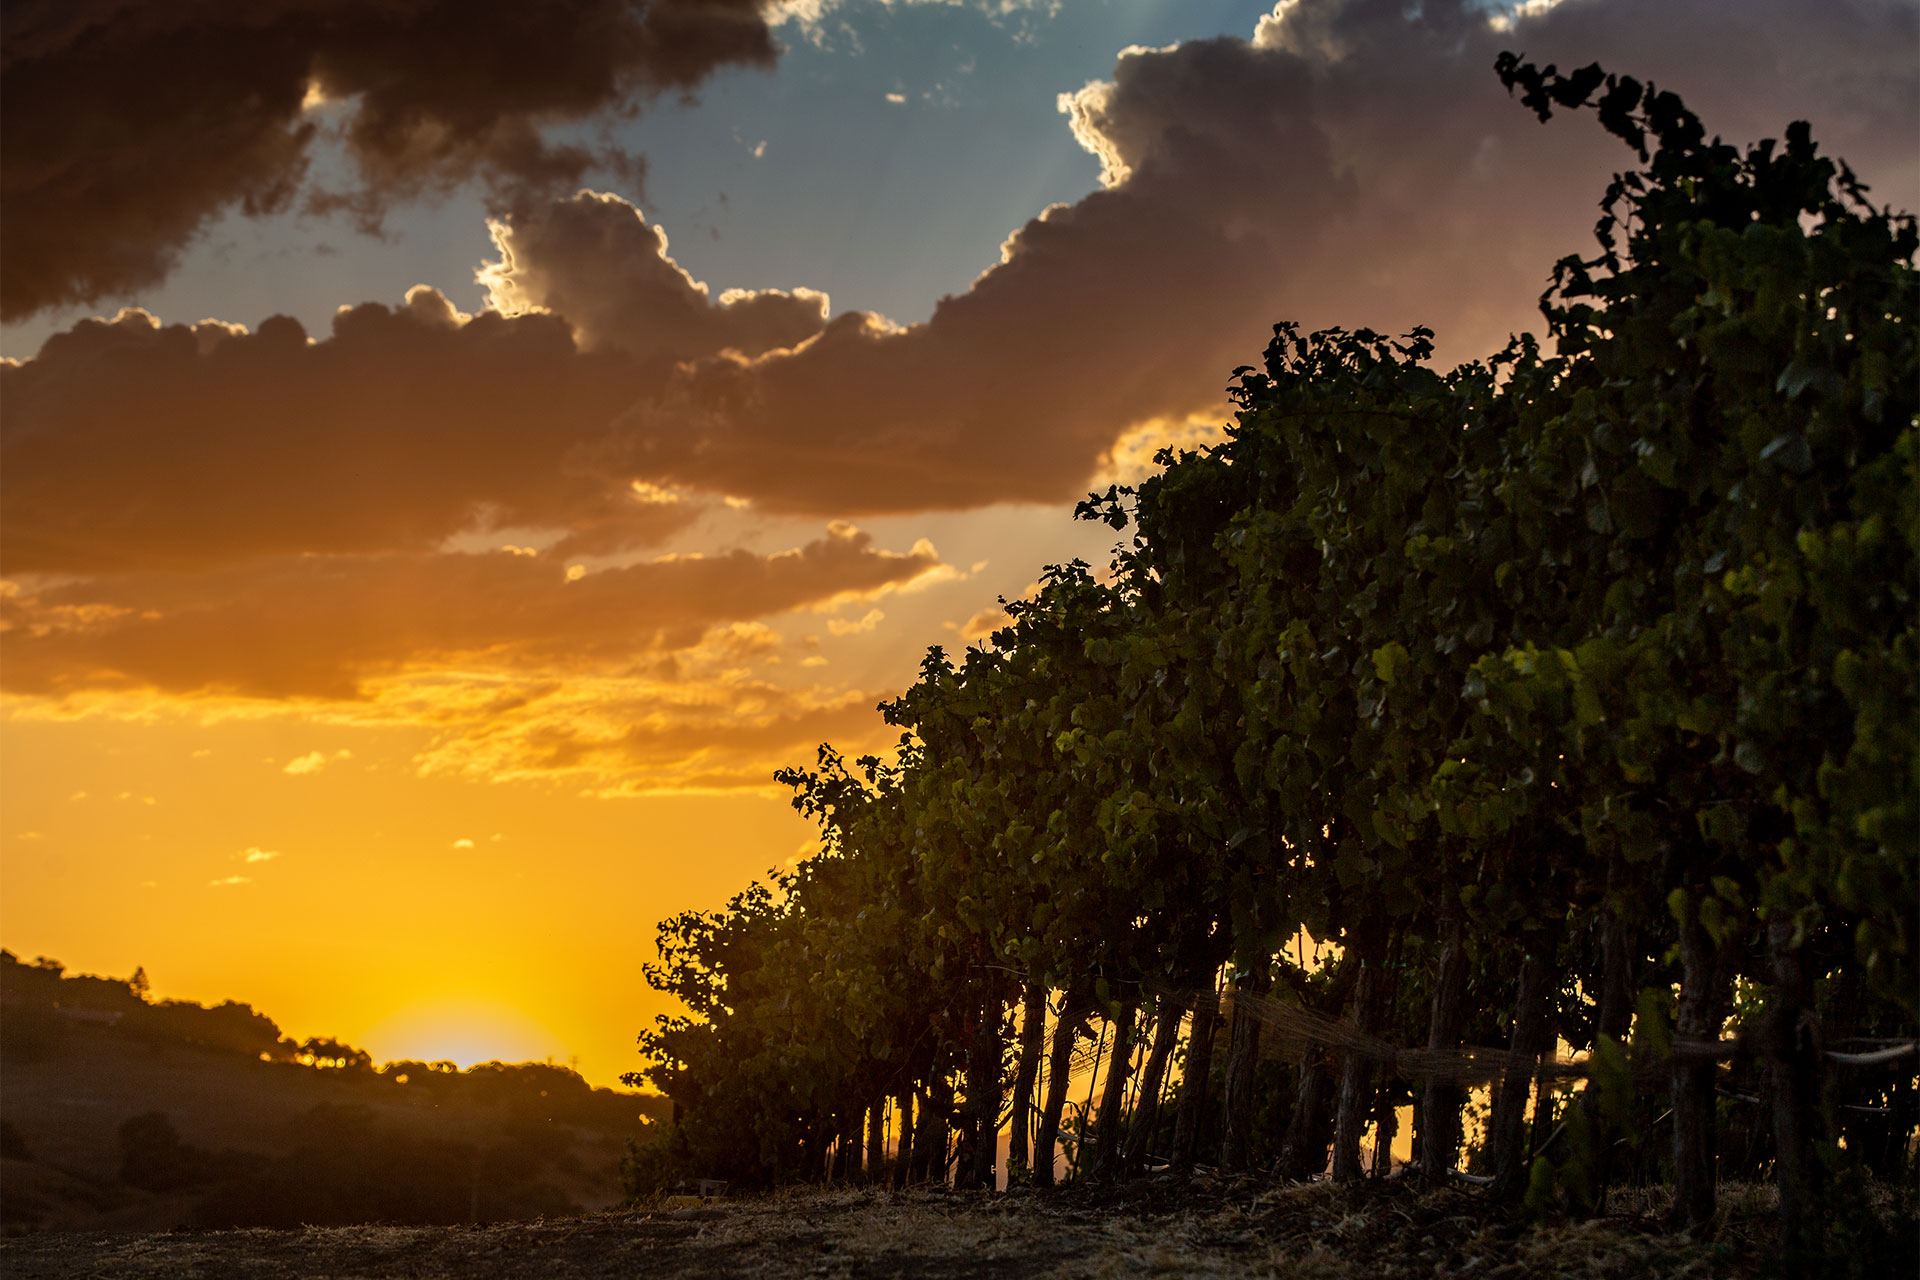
(855,626)
(319,626)
(619,736)
(982,625)
(132,445)
(627,680)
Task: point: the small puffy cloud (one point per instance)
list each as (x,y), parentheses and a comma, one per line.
(78,795)
(896,98)
(866,622)
(1130,458)
(595,260)
(983,624)
(463,843)
(256,854)
(737,643)
(226,881)
(1019,18)
(653,493)
(312,762)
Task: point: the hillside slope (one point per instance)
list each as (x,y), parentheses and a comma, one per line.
(247,1142)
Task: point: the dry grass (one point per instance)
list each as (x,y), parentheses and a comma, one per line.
(1155,1228)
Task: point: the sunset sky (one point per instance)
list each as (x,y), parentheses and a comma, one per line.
(455,450)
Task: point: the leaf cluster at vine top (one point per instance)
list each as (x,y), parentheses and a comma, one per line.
(1603,660)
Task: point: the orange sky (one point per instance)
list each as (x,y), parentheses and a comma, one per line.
(375,914)
(397,667)
(417,871)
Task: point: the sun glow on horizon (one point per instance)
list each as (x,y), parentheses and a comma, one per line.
(464,1032)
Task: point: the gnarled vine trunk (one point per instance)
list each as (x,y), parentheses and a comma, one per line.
(1356,1068)
(847,1154)
(1193,1083)
(1113,1098)
(981,1125)
(877,1141)
(1440,1106)
(1243,1055)
(930,1141)
(1386,1126)
(1532,1024)
(1303,1152)
(1059,1066)
(1702,1009)
(1146,1108)
(1793,1063)
(1033,1030)
(903,1146)
(1614,1016)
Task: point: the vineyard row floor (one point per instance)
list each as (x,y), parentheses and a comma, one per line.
(1211,1227)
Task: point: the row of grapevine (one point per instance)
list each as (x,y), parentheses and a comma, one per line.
(1570,698)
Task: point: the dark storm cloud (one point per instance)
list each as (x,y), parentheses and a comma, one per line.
(1356,163)
(1351,164)
(125,126)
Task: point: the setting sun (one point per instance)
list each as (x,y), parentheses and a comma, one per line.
(463,1032)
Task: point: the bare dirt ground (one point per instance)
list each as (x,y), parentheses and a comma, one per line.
(1238,1227)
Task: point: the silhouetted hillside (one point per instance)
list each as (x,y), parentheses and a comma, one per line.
(125,1113)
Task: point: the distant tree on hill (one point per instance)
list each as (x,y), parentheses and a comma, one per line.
(230,1026)
(331,1054)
